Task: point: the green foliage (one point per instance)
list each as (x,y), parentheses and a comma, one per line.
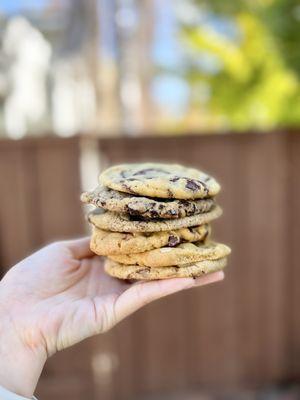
(256,83)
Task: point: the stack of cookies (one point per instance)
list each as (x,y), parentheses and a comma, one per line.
(152,221)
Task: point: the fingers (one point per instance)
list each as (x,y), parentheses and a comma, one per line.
(143,293)
(80,247)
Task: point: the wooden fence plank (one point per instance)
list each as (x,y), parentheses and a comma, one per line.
(59,190)
(261,253)
(125,347)
(293,233)
(17,221)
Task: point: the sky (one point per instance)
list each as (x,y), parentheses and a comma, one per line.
(12,6)
(167,53)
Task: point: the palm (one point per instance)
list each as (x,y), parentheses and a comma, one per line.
(69,297)
(88,303)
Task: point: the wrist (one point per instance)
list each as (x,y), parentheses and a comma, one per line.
(20,366)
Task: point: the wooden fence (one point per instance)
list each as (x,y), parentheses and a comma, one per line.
(242,333)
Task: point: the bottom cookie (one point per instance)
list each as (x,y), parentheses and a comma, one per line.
(122,271)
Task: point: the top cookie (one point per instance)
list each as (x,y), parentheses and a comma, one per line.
(169,181)
(145,207)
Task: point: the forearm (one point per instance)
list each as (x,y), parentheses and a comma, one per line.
(20,367)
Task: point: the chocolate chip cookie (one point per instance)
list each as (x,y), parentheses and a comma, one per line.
(137,272)
(107,220)
(184,253)
(145,207)
(152,221)
(106,243)
(169,181)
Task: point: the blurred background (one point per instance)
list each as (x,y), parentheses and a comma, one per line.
(85,84)
(113,66)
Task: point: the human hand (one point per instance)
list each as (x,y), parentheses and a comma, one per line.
(59,296)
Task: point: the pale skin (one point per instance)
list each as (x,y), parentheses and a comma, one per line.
(59,296)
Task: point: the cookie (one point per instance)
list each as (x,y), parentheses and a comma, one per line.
(184,253)
(125,223)
(122,271)
(169,181)
(105,243)
(110,221)
(145,207)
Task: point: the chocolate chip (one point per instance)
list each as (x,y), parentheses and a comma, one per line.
(147,170)
(128,189)
(131,211)
(175,179)
(170,194)
(173,240)
(192,185)
(206,189)
(154,214)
